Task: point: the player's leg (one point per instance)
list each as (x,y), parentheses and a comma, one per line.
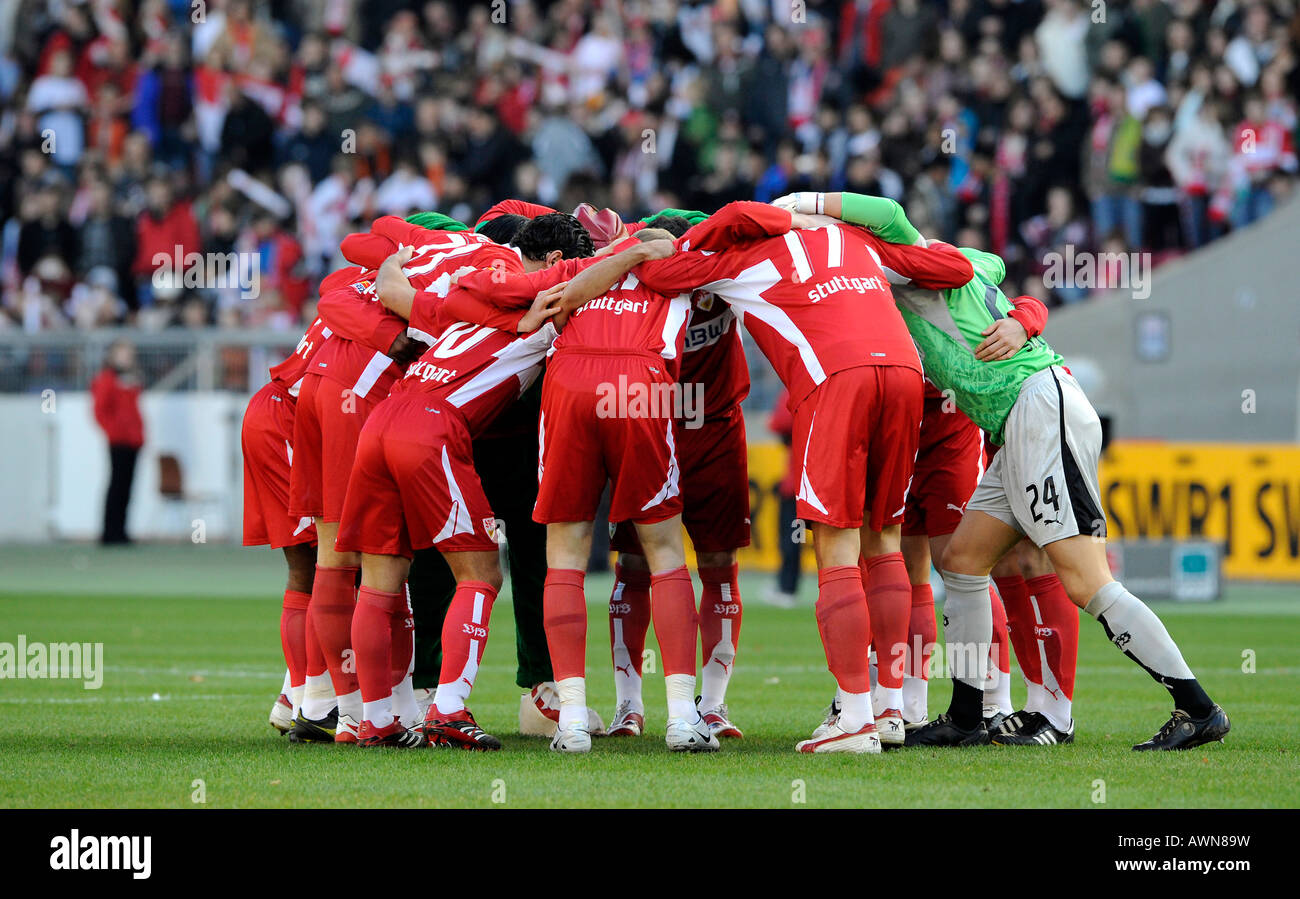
(676,622)
(1055,624)
(629,622)
(922,630)
(721,614)
(568,545)
(381,598)
(974,548)
(889,602)
(300,559)
(464,637)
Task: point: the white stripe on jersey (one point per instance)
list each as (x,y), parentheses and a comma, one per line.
(745,293)
(521,358)
(802,267)
(679,307)
(370,374)
(835,246)
(458,521)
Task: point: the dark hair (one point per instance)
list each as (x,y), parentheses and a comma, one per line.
(675,225)
(554,231)
(503,228)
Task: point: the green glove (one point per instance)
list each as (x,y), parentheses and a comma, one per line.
(435,221)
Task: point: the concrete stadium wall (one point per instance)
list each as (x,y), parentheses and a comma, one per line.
(55,466)
(1234,326)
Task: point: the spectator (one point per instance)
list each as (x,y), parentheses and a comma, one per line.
(116,395)
(165,233)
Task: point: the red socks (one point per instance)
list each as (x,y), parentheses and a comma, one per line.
(845,626)
(402,623)
(1000,649)
(720,615)
(564,615)
(333,600)
(293,635)
(629,619)
(1057,628)
(672,603)
(464,637)
(372,641)
(889,602)
(923,632)
(1020,615)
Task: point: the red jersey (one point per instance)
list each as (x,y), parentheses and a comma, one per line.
(288,374)
(629,316)
(816,301)
(513,207)
(712,354)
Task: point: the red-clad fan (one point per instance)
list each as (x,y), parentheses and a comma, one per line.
(414,485)
(818,305)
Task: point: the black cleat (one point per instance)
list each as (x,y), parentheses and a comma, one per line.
(942,731)
(1032,729)
(305,730)
(994,722)
(1182,731)
(1010,724)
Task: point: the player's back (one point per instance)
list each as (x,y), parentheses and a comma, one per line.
(628,318)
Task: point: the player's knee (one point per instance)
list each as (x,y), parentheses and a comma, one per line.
(960,559)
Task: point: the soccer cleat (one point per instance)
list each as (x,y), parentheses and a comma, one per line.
(890,729)
(831,719)
(1182,731)
(690,736)
(1033,729)
(539,713)
(457,730)
(346,732)
(626,723)
(1010,724)
(305,730)
(282,714)
(915,725)
(394,735)
(862,742)
(718,722)
(993,718)
(574,738)
(943,731)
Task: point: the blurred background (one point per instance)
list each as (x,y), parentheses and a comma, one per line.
(1134,162)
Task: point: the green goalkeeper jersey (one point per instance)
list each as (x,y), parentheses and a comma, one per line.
(947,326)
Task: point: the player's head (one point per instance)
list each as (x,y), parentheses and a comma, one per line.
(549,238)
(648,234)
(503,228)
(675,225)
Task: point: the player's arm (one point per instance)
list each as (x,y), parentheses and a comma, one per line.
(513,207)
(737,222)
(882,216)
(937,266)
(684,271)
(595,279)
(463,304)
(1004,338)
(355,318)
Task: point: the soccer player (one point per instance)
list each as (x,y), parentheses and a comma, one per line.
(266,438)
(818,306)
(1042,485)
(414,484)
(712,458)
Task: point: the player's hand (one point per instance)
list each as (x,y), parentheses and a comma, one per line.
(658,249)
(799,220)
(1002,340)
(545,305)
(391,284)
(803,201)
(405,350)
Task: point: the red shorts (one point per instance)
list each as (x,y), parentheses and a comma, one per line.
(413,483)
(949,464)
(715,487)
(267,442)
(607,417)
(325,432)
(856,438)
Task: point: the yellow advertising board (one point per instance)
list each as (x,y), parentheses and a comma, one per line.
(1247,496)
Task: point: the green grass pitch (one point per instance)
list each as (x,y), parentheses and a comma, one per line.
(192,664)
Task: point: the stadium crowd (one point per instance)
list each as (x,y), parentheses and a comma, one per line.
(128,129)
